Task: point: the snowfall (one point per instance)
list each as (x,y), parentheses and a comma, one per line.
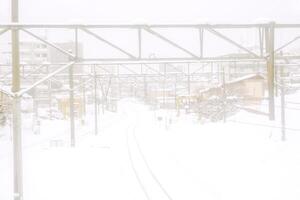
(141,153)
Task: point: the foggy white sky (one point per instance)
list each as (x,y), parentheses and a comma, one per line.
(154,11)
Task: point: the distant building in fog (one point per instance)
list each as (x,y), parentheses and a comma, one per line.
(33,53)
(38,53)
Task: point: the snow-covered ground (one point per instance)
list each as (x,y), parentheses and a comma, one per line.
(144,154)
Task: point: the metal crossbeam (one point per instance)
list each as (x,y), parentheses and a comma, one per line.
(135,26)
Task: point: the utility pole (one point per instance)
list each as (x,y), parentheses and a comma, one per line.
(17,134)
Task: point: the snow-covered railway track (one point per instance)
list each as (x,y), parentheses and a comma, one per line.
(138,158)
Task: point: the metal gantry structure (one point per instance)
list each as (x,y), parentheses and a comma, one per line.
(266,55)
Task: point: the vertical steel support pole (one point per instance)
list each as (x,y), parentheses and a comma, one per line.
(145,89)
(282,87)
(189,79)
(211,72)
(140,42)
(175,92)
(83,97)
(219,73)
(71,102)
(189,85)
(71,94)
(276,80)
(235,70)
(201,33)
(224,93)
(270,68)
(261,43)
(35,104)
(96,102)
(76,43)
(49,95)
(119,82)
(164,90)
(17,133)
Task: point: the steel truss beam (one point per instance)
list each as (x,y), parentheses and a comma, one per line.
(153,29)
(136,26)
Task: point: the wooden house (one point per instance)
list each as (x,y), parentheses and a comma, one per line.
(250,88)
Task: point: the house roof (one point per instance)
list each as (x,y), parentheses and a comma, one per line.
(247,77)
(237,80)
